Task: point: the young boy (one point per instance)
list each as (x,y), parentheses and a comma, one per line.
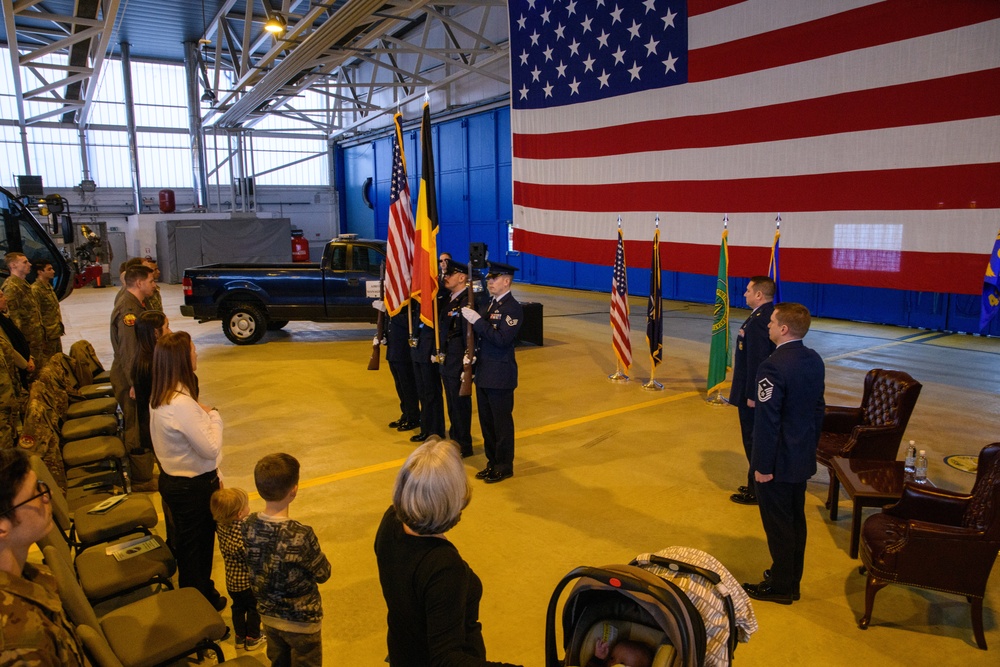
(230,506)
(286,564)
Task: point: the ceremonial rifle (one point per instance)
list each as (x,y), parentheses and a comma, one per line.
(373,363)
(470,342)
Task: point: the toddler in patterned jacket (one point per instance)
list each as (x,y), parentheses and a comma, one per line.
(229,508)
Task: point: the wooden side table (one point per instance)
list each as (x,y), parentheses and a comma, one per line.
(869,484)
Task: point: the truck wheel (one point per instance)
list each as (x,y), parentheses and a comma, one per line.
(276,325)
(245,324)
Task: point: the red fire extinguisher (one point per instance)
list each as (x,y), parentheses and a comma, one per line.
(300,247)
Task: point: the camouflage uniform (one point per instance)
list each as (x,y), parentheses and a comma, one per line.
(12,395)
(48,400)
(24,312)
(34,629)
(123,341)
(40,436)
(155,302)
(52,324)
(87,363)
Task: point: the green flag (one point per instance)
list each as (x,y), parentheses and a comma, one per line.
(719,359)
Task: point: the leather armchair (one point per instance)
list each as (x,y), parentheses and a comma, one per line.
(873,430)
(938,540)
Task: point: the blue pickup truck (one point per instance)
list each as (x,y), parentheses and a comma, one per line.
(251,299)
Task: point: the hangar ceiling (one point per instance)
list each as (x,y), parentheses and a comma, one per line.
(364,58)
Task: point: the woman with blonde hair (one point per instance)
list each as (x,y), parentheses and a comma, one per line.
(432,594)
(187,439)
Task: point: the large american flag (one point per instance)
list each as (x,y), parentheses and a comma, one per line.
(399,246)
(873,126)
(621,330)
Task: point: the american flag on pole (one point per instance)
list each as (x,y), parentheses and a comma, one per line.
(620,327)
(399,246)
(875,122)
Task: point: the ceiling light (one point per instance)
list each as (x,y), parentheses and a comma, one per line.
(208,96)
(276,24)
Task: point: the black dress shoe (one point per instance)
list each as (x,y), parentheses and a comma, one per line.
(498,476)
(407,426)
(419,437)
(765,593)
(744,489)
(744,498)
(466,453)
(767,579)
(395,424)
(484,473)
(220,603)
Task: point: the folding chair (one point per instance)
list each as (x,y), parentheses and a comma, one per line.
(152,631)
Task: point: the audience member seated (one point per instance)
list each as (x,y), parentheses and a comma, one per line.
(35,628)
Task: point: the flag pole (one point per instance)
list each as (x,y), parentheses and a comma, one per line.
(619,374)
(720,353)
(654,316)
(653,385)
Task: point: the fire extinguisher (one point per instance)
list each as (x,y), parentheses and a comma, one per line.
(300,247)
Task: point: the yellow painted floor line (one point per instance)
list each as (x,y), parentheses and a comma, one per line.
(548,428)
(526,433)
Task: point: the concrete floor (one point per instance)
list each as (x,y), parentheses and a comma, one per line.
(603,472)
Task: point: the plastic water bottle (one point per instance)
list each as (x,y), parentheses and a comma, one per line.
(921,471)
(909,466)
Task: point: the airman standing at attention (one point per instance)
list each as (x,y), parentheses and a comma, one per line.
(139,286)
(452,336)
(48,306)
(753,346)
(155,302)
(788,418)
(496,327)
(22,305)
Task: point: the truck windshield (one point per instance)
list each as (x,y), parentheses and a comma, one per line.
(21,232)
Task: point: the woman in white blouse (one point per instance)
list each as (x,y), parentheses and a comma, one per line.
(187,439)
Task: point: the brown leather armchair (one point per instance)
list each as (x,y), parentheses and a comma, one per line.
(937,539)
(874,430)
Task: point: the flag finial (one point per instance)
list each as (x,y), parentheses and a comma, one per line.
(725,221)
(657,220)
(777,221)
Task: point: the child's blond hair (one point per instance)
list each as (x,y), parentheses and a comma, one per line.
(227,503)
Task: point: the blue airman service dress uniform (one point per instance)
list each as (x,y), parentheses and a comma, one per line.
(397,354)
(453,345)
(787,424)
(496,377)
(753,345)
(428,377)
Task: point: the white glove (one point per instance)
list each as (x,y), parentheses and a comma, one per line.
(379,305)
(470,315)
(466,361)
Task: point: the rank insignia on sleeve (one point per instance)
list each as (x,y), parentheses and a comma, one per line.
(765,389)
(129,320)
(511,322)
